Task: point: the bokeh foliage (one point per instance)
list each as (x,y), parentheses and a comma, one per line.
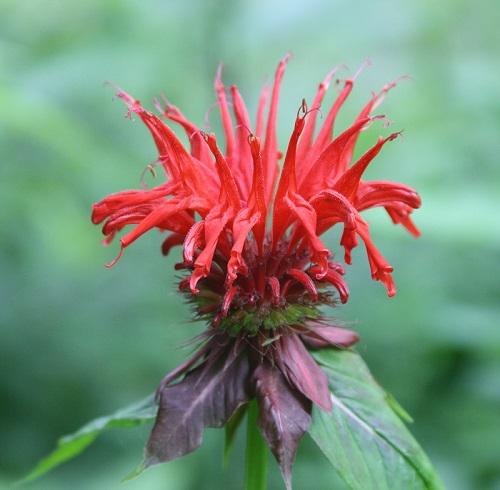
(77,341)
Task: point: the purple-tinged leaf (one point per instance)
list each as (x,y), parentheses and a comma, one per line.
(319,336)
(181,369)
(303,372)
(284,416)
(207,397)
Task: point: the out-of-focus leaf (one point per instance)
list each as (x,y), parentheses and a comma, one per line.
(73,444)
(363,438)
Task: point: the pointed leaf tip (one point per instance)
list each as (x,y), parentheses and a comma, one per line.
(70,446)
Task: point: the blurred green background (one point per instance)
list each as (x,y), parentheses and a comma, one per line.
(78,341)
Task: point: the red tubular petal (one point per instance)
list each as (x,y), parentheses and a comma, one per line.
(336,280)
(181,166)
(274,284)
(199,148)
(124,217)
(286,185)
(114,202)
(332,207)
(269,155)
(399,216)
(348,183)
(306,281)
(153,219)
(380,193)
(228,184)
(325,133)
(374,102)
(327,164)
(243,223)
(380,269)
(258,190)
(215,224)
(331,204)
(307,135)
(193,241)
(306,216)
(224,113)
(241,167)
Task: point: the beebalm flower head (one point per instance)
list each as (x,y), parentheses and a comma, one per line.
(251,227)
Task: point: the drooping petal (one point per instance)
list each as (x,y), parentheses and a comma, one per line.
(244,222)
(306,281)
(380,269)
(400,214)
(114,202)
(335,278)
(160,214)
(307,220)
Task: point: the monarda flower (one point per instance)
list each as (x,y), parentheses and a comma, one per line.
(250,221)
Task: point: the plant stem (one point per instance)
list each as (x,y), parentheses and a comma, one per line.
(256,453)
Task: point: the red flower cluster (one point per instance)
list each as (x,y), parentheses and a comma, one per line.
(258,267)
(233,193)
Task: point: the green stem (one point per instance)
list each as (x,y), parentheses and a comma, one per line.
(256,453)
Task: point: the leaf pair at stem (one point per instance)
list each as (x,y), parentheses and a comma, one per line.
(363,436)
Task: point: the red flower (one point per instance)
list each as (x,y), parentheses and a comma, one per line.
(251,237)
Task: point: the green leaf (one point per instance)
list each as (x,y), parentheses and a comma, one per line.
(398,409)
(72,445)
(363,436)
(231,428)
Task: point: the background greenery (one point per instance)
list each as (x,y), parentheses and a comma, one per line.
(78,341)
